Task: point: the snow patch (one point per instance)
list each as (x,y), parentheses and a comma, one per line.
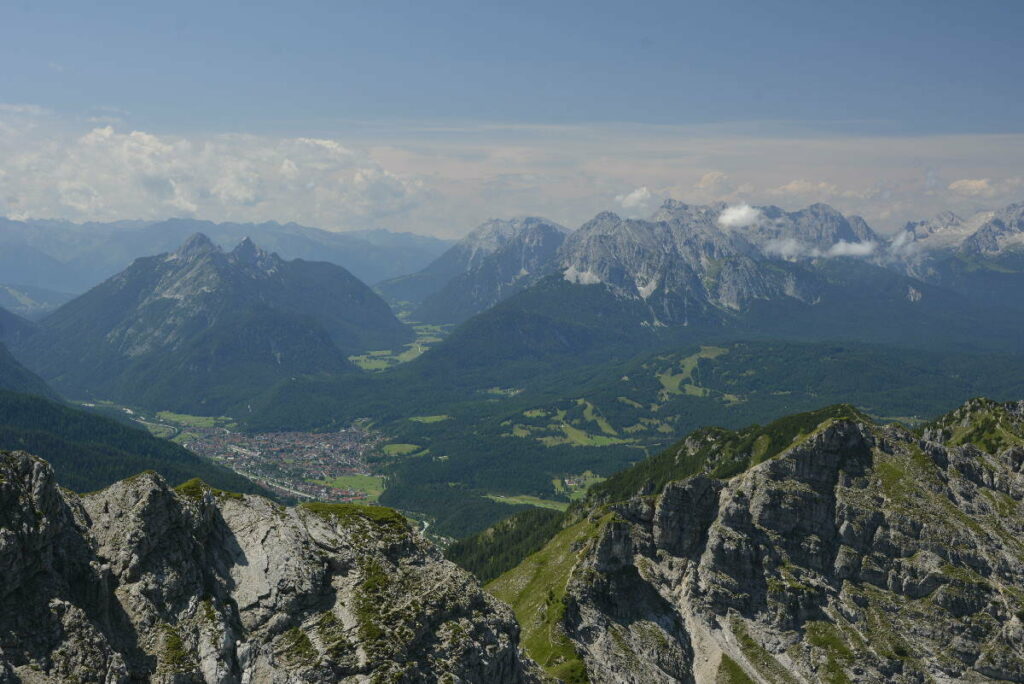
(581,277)
(648,289)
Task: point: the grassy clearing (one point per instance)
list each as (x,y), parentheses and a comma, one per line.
(371,485)
(529,501)
(430,419)
(592,415)
(382,359)
(576,486)
(502,391)
(536,591)
(371,363)
(683,382)
(192,421)
(401,449)
(578,437)
(345,513)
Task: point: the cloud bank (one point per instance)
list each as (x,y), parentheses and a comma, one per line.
(444,180)
(108,174)
(790,249)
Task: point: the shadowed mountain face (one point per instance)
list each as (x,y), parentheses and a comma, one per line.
(822,547)
(16,378)
(495,260)
(203,328)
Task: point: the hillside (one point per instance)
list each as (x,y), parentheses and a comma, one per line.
(143,582)
(837,551)
(205,331)
(12,326)
(16,378)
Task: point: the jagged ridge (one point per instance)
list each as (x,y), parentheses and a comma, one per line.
(861,552)
(139,581)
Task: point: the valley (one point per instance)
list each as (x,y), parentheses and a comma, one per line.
(335,467)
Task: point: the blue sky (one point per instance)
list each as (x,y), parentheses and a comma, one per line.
(451,112)
(906,66)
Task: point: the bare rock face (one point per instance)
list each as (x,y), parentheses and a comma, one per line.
(688,262)
(861,553)
(141,582)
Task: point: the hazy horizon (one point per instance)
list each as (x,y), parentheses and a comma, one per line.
(432,120)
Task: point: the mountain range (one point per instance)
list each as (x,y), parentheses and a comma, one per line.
(693,264)
(204,329)
(70,257)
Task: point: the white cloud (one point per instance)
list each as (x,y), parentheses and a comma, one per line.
(973,187)
(854,249)
(637,199)
(806,188)
(108,174)
(739,216)
(790,248)
(714,182)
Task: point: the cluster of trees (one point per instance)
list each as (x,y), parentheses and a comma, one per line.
(503,546)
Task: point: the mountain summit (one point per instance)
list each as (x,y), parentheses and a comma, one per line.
(199,328)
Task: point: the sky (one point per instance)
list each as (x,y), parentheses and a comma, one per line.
(432,117)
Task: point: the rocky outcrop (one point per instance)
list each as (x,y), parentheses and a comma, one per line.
(139,581)
(861,553)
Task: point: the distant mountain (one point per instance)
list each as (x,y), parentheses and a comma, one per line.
(63,256)
(691,263)
(16,378)
(31,302)
(493,261)
(204,330)
(981,256)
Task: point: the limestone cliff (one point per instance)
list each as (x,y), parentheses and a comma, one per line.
(141,582)
(860,553)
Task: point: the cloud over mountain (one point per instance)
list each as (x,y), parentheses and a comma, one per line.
(107,174)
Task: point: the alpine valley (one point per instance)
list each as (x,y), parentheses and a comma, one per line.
(724,443)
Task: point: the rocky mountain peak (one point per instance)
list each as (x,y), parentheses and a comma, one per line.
(142,582)
(196,246)
(247,253)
